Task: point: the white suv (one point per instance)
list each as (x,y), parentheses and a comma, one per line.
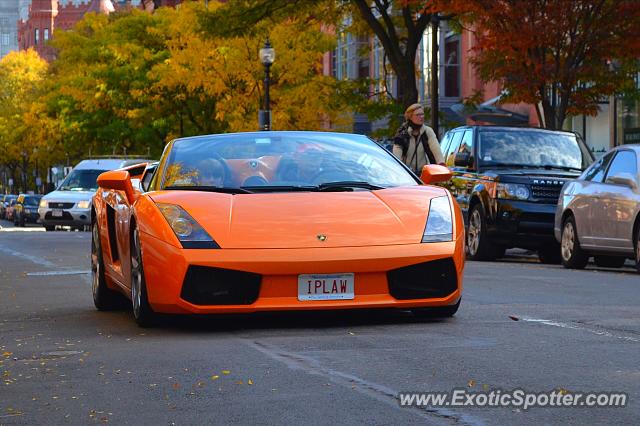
(70,203)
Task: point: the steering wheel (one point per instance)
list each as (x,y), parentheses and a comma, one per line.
(330,175)
(254,181)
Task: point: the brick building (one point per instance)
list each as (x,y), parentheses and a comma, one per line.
(46,16)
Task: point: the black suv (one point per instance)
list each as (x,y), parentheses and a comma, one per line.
(507,181)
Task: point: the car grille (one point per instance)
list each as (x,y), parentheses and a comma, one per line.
(546,192)
(60,205)
(65,216)
(216,286)
(433,279)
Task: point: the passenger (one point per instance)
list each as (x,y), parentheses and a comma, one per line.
(211,172)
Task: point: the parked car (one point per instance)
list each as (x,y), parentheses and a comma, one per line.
(10,209)
(302,221)
(4,203)
(599,213)
(70,203)
(26,209)
(507,181)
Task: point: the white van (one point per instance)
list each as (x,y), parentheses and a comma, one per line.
(70,203)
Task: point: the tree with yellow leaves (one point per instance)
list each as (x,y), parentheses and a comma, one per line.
(22,75)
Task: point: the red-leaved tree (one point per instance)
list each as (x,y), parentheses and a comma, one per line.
(562,56)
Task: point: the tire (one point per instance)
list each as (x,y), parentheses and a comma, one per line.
(571,254)
(609,261)
(550,255)
(142,312)
(437,312)
(104,298)
(637,246)
(49,228)
(478,246)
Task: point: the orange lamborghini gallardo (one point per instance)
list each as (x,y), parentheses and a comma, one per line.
(270,221)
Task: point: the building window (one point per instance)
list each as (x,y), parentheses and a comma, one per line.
(452,66)
(5,39)
(427,48)
(45,34)
(37,36)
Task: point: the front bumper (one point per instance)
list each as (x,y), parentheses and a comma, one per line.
(165,268)
(522,224)
(70,217)
(32,217)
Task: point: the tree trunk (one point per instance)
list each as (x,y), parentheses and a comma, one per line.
(400,52)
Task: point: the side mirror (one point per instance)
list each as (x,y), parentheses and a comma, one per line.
(117,180)
(625,179)
(433,173)
(462,159)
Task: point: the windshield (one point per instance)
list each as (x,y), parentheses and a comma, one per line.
(532,148)
(282,162)
(31,201)
(81,180)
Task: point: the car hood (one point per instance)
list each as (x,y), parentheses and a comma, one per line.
(70,196)
(300,219)
(532,176)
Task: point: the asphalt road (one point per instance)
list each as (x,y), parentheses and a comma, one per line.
(63,362)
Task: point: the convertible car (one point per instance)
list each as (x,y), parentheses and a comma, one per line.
(248,222)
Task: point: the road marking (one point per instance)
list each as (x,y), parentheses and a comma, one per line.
(377,391)
(16,229)
(47,273)
(34,259)
(581,328)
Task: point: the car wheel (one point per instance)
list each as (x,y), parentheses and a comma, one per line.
(142,312)
(550,255)
(104,298)
(437,312)
(609,261)
(478,247)
(49,228)
(573,257)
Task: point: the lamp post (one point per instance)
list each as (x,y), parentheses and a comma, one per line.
(267,56)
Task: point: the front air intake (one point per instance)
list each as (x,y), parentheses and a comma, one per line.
(435,279)
(216,286)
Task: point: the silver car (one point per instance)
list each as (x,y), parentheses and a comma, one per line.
(598,214)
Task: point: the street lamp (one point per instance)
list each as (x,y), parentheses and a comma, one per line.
(267,56)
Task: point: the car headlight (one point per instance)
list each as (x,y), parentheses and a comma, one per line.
(188,231)
(512,191)
(84,204)
(439,222)
(44,203)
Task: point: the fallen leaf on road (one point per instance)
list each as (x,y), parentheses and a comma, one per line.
(215,377)
(250,382)
(471,383)
(226,372)
(514,318)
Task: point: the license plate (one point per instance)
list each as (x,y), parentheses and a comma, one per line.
(325,287)
(56,213)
